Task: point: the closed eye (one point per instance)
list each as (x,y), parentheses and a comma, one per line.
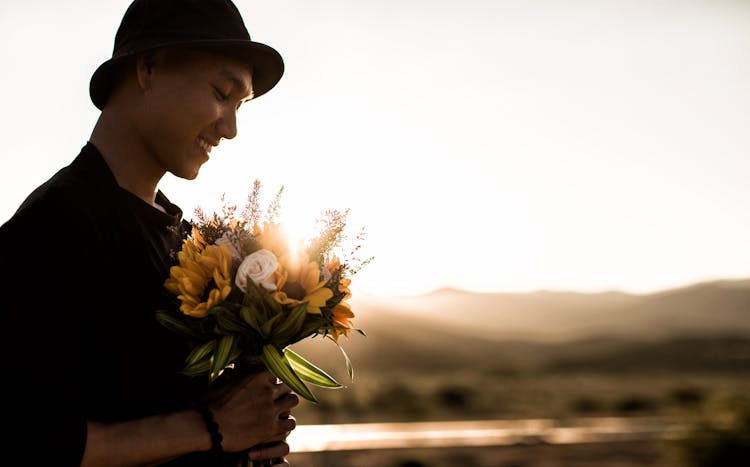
(220,95)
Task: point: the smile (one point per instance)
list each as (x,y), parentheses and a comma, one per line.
(205,145)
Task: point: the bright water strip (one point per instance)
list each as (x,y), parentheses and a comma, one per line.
(316,438)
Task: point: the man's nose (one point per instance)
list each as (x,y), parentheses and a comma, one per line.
(226,127)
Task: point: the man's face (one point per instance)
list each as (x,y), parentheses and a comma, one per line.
(188,106)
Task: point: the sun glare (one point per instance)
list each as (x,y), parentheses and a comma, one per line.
(297,229)
(295,244)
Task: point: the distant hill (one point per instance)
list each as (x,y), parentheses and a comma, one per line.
(703,325)
(704,309)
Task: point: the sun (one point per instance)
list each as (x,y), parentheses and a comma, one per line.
(297,229)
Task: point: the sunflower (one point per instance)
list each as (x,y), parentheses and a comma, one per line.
(297,279)
(300,282)
(342,315)
(202,279)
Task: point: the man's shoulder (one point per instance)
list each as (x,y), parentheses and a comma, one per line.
(77,191)
(86,176)
(64,186)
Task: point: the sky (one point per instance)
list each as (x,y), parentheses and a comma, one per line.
(489,145)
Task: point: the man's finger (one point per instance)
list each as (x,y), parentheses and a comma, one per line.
(269,451)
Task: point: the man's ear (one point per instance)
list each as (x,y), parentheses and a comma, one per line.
(144,68)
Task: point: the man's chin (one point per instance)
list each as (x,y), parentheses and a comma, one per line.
(187,174)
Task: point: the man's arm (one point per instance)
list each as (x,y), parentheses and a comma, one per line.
(146,441)
(254,412)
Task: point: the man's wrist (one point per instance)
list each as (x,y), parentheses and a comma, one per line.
(190,423)
(212,427)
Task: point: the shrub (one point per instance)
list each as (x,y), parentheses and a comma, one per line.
(720,439)
(586,405)
(687,396)
(455,397)
(635,403)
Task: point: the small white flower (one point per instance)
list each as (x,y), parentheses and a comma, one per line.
(259,268)
(325,273)
(231,242)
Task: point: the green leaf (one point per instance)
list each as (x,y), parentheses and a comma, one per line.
(280,366)
(225,347)
(198,368)
(198,362)
(248,315)
(174,324)
(271,303)
(264,305)
(259,298)
(200,352)
(265,329)
(290,327)
(313,323)
(309,372)
(236,354)
(253,294)
(228,320)
(349,367)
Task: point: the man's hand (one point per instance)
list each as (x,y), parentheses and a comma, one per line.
(256,411)
(274,451)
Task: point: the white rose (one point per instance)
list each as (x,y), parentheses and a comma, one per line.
(259,268)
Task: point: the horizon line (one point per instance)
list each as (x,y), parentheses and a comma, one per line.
(739,280)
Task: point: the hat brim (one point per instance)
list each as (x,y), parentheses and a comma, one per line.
(266,62)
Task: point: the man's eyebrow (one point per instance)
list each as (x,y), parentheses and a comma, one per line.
(237,83)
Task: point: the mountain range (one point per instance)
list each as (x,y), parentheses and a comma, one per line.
(702,325)
(700,309)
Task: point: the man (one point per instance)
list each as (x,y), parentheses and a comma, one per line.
(89,376)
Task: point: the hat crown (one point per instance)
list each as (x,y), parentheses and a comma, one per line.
(211,24)
(149,23)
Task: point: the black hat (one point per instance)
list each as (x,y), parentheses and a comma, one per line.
(153,24)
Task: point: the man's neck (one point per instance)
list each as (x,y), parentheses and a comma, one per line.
(121,147)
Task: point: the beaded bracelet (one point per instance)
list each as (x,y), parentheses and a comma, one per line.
(213,428)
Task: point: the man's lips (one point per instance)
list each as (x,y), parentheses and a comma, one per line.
(206,145)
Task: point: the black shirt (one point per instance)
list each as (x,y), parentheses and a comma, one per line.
(84,266)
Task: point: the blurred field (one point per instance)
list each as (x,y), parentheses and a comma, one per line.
(682,354)
(591,455)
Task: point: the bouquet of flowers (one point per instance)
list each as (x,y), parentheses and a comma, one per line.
(242,290)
